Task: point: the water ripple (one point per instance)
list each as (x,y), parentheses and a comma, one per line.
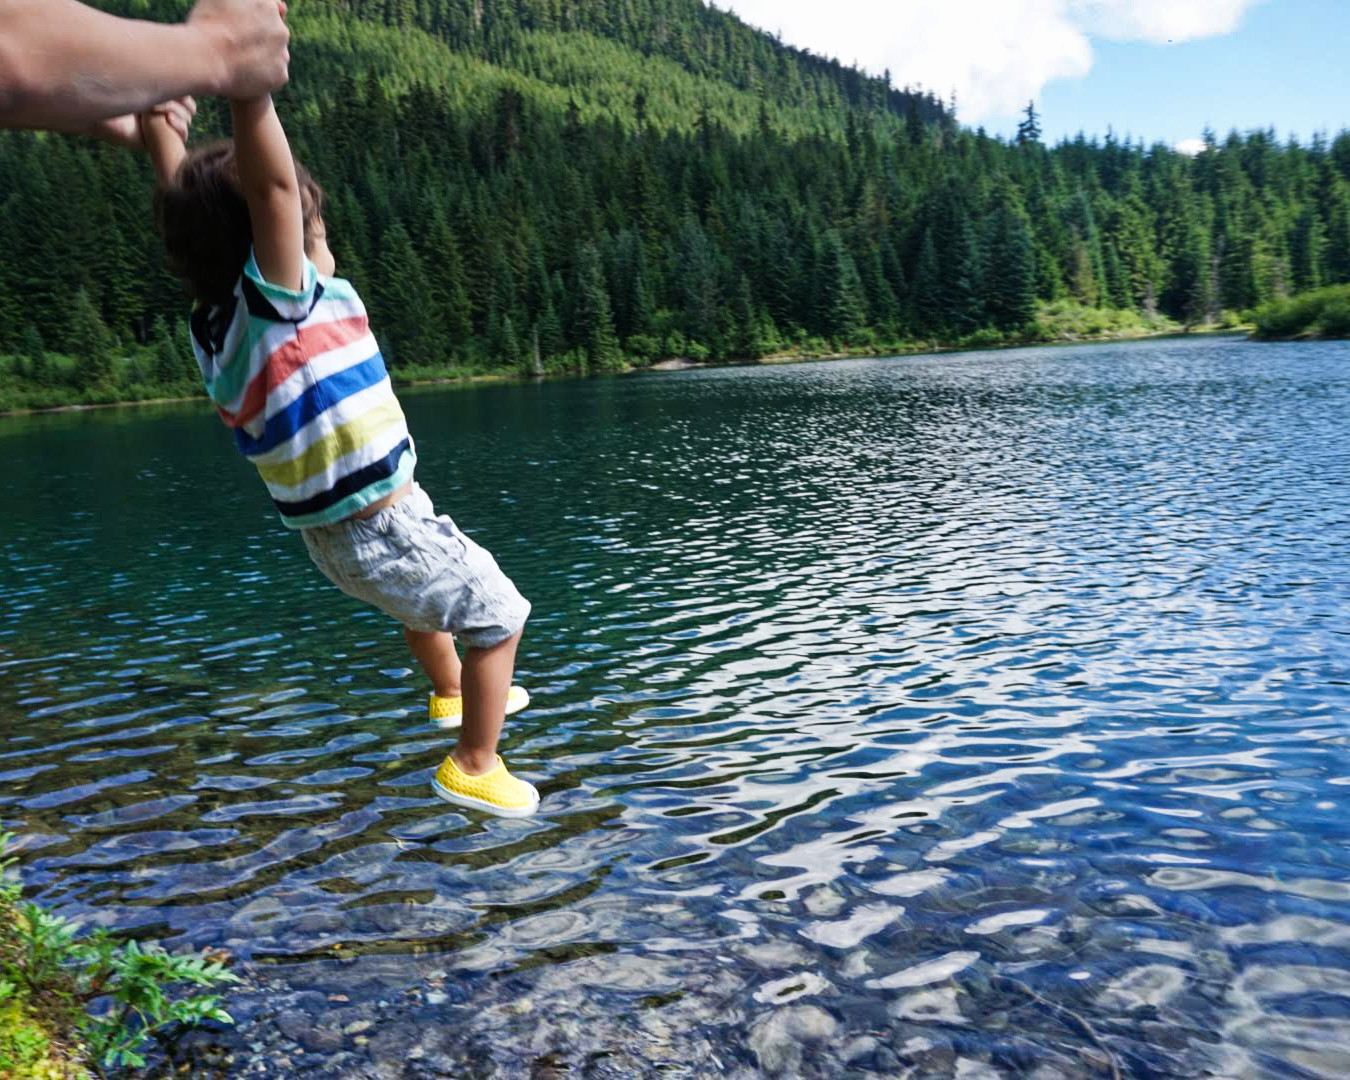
(965,716)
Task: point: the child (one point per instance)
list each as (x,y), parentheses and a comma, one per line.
(288,359)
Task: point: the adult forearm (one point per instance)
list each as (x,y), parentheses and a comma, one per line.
(64,65)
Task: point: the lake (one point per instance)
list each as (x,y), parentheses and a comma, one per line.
(980,716)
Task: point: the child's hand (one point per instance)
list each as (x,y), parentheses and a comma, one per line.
(163,133)
(129,131)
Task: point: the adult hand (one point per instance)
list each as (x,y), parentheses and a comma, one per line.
(126,130)
(250,39)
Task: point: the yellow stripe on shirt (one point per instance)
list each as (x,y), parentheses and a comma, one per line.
(333,447)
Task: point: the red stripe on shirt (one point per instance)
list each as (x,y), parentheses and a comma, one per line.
(290,356)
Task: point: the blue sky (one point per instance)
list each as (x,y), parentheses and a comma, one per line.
(1160,69)
(1285,66)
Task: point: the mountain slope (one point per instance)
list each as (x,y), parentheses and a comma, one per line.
(578,186)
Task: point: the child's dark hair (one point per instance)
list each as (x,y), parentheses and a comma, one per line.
(203,219)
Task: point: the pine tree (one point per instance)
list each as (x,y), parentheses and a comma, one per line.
(696,274)
(745,325)
(447,295)
(1338,236)
(182,339)
(1189,291)
(928,305)
(1306,251)
(91,344)
(599,341)
(961,297)
(1083,280)
(32,349)
(551,342)
(839,289)
(168,370)
(1117,288)
(1029,130)
(400,295)
(1011,293)
(509,350)
(779,288)
(1136,246)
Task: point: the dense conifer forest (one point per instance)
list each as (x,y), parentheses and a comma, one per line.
(524,185)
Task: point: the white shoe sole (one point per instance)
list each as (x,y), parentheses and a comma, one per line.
(482,804)
(512,707)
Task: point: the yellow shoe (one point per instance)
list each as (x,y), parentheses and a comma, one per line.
(448,712)
(496,792)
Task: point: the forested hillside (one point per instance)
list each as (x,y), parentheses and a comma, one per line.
(585,183)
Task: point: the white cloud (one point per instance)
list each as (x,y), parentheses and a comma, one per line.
(1190,147)
(996,54)
(1159,21)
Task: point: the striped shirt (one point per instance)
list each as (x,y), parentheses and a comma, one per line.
(300,379)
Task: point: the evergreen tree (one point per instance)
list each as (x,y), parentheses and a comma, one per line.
(839,290)
(745,328)
(928,305)
(509,349)
(1190,289)
(1029,130)
(89,341)
(182,339)
(31,347)
(596,322)
(549,328)
(1306,251)
(1083,280)
(696,274)
(1136,248)
(400,295)
(1011,294)
(447,296)
(169,366)
(959,259)
(1338,236)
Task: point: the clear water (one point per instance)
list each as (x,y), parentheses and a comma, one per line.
(978,716)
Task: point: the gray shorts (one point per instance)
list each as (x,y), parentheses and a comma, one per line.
(421,570)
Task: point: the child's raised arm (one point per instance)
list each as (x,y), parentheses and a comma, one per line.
(267,177)
(164,141)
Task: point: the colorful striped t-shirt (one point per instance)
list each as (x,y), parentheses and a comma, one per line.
(300,379)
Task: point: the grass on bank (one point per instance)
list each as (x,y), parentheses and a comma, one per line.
(74,1007)
(52,380)
(1322,313)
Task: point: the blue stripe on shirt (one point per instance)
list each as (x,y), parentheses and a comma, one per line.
(315,401)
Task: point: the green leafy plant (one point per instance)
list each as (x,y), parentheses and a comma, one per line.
(130,987)
(135,978)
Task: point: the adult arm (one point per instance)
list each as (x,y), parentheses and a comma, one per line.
(130,131)
(65,66)
(272,191)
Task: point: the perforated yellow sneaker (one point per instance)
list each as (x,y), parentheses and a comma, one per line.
(448,712)
(496,792)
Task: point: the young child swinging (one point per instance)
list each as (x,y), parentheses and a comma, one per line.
(288,359)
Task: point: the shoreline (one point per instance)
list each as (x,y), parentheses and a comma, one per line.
(676,363)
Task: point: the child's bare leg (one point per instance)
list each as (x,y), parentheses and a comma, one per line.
(435,651)
(487,680)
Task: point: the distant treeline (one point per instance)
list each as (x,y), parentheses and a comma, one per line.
(582,184)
